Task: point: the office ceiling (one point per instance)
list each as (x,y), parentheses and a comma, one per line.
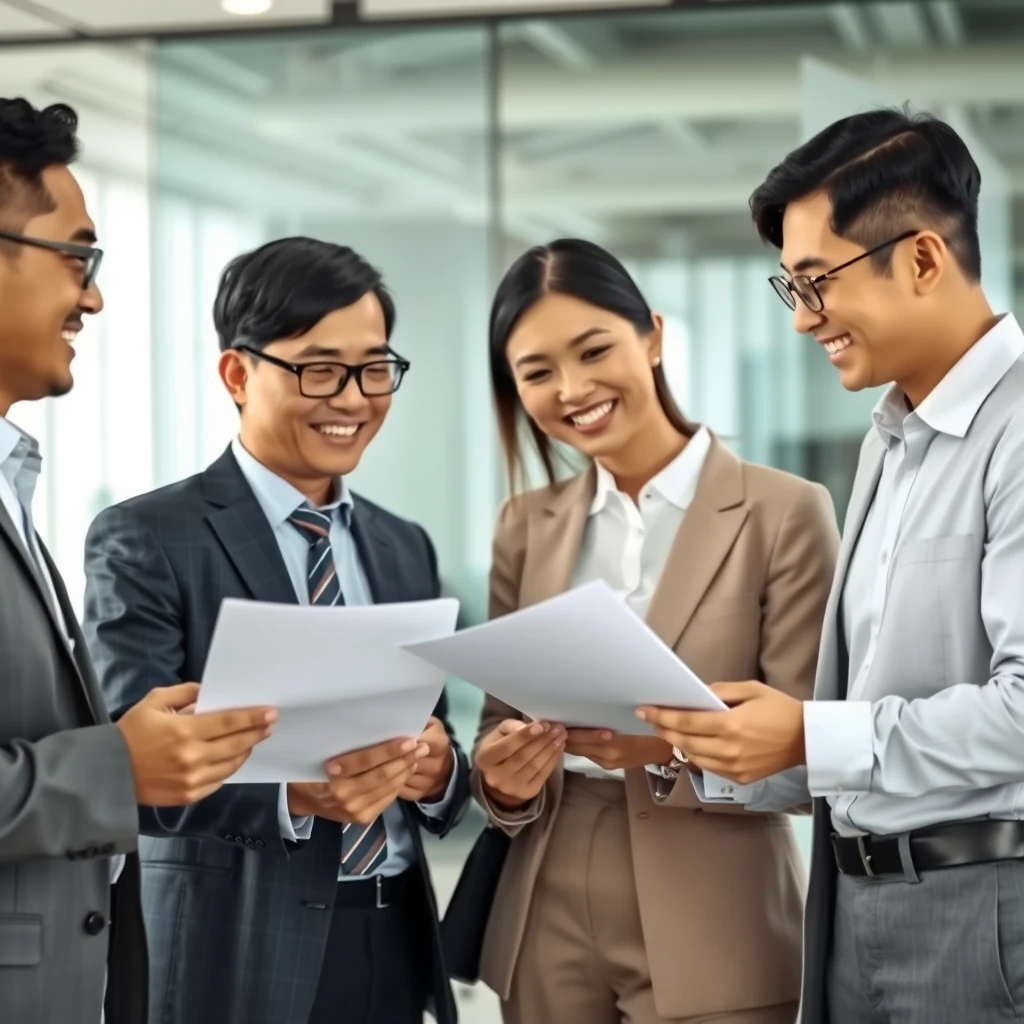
(645,130)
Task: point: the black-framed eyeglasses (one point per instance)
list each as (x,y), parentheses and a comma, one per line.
(90,256)
(325,380)
(805,288)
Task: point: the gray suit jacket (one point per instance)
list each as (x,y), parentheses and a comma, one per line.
(237,917)
(949,657)
(67,803)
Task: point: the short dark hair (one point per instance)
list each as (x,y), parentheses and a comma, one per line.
(567,266)
(884,171)
(30,141)
(283,288)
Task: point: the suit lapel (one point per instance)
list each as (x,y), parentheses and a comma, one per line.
(375,555)
(77,660)
(708,531)
(243,531)
(830,682)
(554,535)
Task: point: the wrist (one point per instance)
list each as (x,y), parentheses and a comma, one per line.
(298,805)
(503,801)
(443,778)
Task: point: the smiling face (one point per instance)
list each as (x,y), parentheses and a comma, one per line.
(584,375)
(870,328)
(41,297)
(311,441)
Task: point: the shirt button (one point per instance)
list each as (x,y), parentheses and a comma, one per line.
(94,923)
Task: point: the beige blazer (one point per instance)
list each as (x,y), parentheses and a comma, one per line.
(742,596)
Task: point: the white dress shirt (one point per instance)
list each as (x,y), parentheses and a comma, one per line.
(627,544)
(279,499)
(839,734)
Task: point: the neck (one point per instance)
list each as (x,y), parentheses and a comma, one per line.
(646,455)
(949,338)
(317,490)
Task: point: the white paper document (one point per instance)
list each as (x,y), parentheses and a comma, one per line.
(338,677)
(584,659)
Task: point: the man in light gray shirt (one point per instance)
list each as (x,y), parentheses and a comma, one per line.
(913,747)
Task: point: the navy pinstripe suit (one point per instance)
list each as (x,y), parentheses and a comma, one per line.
(237,917)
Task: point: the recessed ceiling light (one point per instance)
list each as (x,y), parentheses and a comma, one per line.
(247,8)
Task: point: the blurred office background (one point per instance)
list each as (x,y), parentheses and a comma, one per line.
(441,148)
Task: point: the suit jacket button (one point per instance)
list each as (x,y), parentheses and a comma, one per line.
(239,840)
(259,844)
(249,841)
(230,838)
(94,923)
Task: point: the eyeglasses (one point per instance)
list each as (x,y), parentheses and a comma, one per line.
(805,288)
(325,380)
(90,256)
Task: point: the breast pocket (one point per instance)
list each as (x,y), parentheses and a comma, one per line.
(933,613)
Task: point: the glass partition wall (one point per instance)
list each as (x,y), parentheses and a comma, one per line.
(441,152)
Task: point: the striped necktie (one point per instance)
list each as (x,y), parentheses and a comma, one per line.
(363,847)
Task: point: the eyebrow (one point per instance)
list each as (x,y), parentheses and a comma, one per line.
(573,342)
(333,353)
(807,263)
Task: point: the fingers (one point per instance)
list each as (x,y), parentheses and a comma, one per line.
(172,698)
(359,761)
(366,806)
(588,737)
(685,723)
(231,747)
(737,693)
(211,725)
(345,788)
(543,767)
(520,745)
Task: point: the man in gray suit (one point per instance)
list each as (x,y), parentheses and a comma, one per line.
(913,747)
(69,779)
(297,904)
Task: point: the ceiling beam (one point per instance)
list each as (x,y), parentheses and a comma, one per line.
(902,25)
(851,26)
(948,21)
(656,87)
(556,43)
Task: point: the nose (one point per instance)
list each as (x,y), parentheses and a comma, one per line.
(574,385)
(805,320)
(91,300)
(350,399)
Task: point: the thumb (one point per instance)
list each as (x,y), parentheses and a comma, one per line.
(172,698)
(737,693)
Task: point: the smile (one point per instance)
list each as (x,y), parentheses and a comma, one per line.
(338,433)
(835,345)
(593,418)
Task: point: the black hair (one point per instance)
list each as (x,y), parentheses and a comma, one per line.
(283,288)
(567,266)
(885,171)
(30,141)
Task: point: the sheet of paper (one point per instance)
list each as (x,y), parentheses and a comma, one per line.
(339,678)
(583,658)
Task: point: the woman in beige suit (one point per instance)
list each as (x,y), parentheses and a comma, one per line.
(624,898)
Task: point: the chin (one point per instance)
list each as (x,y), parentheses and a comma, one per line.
(60,387)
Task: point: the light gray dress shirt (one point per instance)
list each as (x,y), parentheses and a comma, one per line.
(279,499)
(931,582)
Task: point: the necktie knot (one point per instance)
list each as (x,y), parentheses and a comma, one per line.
(313,524)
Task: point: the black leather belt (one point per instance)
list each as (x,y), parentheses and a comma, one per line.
(939,846)
(376,892)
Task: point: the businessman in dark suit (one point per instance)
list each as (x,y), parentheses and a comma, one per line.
(298,904)
(70,917)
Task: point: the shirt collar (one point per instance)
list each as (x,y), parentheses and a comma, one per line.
(676,483)
(20,459)
(955,401)
(278,498)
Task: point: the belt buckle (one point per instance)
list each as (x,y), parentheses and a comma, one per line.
(380,898)
(865,857)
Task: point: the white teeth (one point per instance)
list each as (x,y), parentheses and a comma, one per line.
(338,430)
(69,336)
(837,344)
(584,419)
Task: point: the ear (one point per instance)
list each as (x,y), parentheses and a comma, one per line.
(653,339)
(235,374)
(930,257)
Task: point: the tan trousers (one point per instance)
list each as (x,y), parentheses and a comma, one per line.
(583,960)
